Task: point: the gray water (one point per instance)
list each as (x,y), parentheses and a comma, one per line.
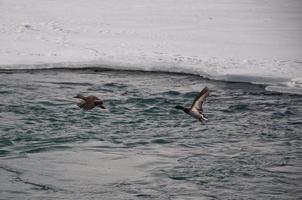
(143,148)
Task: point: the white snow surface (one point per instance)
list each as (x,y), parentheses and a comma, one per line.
(258,41)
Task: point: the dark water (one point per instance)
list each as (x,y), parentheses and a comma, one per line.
(143,148)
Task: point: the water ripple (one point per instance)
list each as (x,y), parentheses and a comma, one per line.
(249,149)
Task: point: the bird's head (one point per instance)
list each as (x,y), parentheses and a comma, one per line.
(102,107)
(99,103)
(186,110)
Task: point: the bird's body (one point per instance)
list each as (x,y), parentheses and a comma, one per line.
(196,110)
(89,102)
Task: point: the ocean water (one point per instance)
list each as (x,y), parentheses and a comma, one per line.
(142,148)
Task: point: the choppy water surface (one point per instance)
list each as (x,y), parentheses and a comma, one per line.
(143,148)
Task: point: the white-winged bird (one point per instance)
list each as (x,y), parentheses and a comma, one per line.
(196,108)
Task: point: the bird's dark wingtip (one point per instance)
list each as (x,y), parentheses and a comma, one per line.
(77,96)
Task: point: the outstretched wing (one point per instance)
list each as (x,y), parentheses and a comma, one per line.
(92,98)
(86,105)
(197,103)
(79,96)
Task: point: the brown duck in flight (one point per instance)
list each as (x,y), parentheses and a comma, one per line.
(89,102)
(196,108)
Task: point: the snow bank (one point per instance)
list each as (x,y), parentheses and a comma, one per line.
(239,40)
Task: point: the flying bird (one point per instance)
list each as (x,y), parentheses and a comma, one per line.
(89,102)
(196,110)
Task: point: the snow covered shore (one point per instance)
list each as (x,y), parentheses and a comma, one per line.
(218,39)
